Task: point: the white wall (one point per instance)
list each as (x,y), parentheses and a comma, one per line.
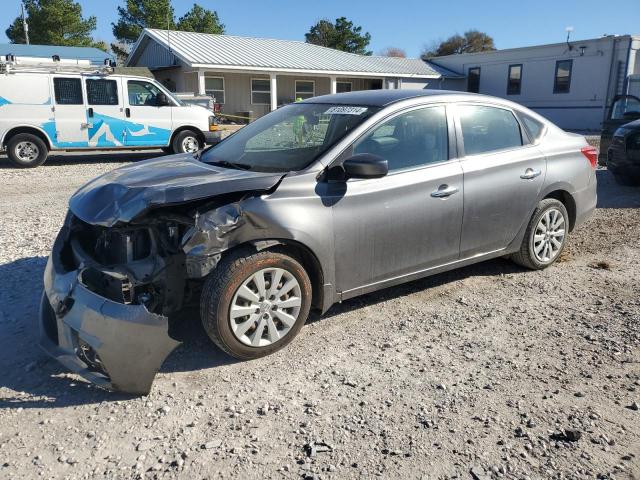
(594,79)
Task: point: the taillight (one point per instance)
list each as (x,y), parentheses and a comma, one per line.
(592,155)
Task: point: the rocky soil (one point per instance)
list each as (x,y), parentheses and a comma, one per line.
(486,372)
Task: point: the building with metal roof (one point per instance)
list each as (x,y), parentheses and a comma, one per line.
(93,56)
(250,76)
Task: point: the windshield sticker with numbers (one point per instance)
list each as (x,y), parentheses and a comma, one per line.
(346,110)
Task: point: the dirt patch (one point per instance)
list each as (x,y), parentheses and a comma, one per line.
(486,372)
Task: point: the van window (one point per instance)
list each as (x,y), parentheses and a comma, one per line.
(68,91)
(409,140)
(486,129)
(142,93)
(102,92)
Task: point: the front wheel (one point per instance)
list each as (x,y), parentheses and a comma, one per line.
(26,150)
(186,141)
(254,305)
(545,237)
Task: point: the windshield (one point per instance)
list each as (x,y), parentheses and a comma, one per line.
(288,139)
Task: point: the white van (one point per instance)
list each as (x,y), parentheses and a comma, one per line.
(61,107)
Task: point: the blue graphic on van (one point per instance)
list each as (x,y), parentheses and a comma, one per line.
(4,101)
(106,131)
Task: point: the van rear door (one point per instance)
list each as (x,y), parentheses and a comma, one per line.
(69,113)
(105,112)
(149,119)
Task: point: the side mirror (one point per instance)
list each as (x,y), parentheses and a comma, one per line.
(162,100)
(365,165)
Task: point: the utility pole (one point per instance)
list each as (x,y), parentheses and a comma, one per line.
(24,24)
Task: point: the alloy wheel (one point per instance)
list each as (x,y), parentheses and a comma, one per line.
(549,235)
(265,307)
(190,145)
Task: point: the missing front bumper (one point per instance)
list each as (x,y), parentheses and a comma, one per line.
(116,346)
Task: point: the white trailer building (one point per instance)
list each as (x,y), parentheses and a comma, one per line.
(571,83)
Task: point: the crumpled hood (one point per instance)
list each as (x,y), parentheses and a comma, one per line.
(124,193)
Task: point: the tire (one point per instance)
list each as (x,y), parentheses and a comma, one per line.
(221,293)
(26,150)
(527,255)
(185,138)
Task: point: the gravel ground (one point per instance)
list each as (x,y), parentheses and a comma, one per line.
(486,372)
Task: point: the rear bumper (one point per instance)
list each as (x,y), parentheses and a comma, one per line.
(211,138)
(116,346)
(586,201)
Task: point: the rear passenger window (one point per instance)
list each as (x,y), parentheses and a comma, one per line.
(487,129)
(411,139)
(68,91)
(102,92)
(533,126)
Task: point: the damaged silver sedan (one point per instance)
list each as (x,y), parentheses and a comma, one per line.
(317,202)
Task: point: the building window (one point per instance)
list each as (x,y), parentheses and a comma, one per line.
(343,87)
(473,80)
(214,86)
(514,82)
(305,89)
(260,91)
(68,91)
(102,92)
(562,82)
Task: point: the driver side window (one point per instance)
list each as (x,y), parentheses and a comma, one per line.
(142,93)
(412,139)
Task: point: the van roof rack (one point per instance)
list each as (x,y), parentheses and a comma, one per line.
(11,64)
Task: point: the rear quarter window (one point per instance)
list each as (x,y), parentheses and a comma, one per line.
(534,127)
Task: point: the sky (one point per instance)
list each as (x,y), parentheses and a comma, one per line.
(408,24)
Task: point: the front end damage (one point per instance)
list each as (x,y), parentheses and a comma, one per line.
(104,315)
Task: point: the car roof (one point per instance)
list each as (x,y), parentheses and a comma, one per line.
(381,98)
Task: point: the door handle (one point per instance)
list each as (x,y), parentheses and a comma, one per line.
(127,112)
(530,173)
(90,112)
(444,191)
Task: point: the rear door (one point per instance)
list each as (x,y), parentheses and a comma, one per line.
(105,112)
(148,123)
(503,175)
(70,129)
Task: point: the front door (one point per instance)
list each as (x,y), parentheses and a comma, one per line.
(68,128)
(149,122)
(105,112)
(625,109)
(503,176)
(409,220)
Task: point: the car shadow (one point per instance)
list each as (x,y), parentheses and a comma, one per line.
(613,195)
(57,159)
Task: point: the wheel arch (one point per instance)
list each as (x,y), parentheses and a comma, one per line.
(568,201)
(183,128)
(27,129)
(302,254)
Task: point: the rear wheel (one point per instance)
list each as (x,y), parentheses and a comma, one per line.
(26,150)
(254,305)
(545,237)
(186,141)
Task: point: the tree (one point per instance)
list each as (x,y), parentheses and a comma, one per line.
(472,41)
(55,22)
(200,20)
(393,52)
(341,35)
(137,15)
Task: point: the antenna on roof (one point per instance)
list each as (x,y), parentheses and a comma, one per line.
(569,31)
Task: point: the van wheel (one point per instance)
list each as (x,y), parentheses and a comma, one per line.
(545,237)
(253,305)
(186,141)
(26,150)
